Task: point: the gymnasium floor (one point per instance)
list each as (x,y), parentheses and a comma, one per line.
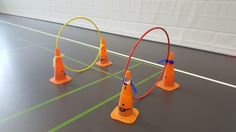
(205,102)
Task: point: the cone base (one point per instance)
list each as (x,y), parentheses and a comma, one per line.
(53,80)
(104,64)
(128,120)
(161,85)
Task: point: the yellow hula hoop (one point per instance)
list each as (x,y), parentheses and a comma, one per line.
(99,35)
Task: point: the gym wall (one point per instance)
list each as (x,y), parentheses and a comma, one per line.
(202,24)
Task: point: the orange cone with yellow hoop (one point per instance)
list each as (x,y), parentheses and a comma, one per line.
(125,112)
(103,61)
(168,81)
(60,76)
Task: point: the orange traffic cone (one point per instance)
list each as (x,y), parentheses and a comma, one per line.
(125,112)
(60,76)
(168,82)
(103,61)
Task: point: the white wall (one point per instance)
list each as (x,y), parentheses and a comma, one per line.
(202,24)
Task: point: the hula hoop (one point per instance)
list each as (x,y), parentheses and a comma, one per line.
(99,35)
(131,54)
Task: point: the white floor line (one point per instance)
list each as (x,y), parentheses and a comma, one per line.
(142,60)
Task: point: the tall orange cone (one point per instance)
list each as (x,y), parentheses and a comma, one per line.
(103,61)
(168,81)
(125,112)
(60,76)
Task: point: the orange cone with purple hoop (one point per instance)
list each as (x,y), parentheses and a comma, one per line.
(168,81)
(103,61)
(60,76)
(125,112)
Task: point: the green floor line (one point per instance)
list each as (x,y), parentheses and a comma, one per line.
(87,64)
(60,126)
(80,62)
(50,100)
(83,113)
(52,51)
(148,78)
(59,97)
(67,57)
(14,50)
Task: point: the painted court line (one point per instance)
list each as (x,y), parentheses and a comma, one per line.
(50,101)
(34,107)
(16,49)
(70,58)
(91,109)
(67,57)
(142,60)
(66,94)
